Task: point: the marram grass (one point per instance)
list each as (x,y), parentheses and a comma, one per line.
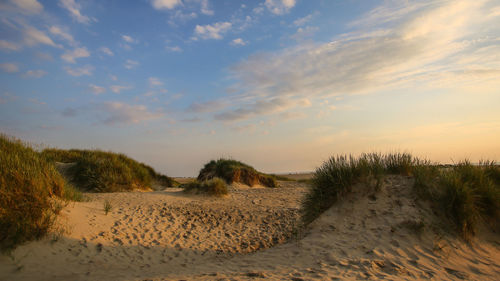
(29,186)
(463,194)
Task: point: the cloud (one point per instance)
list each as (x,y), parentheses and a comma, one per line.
(304,32)
(182,17)
(173,48)
(165,4)
(71,56)
(117,113)
(303,21)
(214,31)
(106,51)
(261,107)
(292,115)
(238,42)
(433,43)
(33,37)
(85,70)
(64,34)
(97,90)
(279,7)
(35,73)
(128,39)
(28,6)
(129,64)
(35,101)
(9,46)
(117,88)
(191,120)
(205,8)
(154,81)
(9,67)
(7,97)
(209,106)
(74,10)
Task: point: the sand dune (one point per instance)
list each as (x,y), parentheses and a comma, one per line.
(169,235)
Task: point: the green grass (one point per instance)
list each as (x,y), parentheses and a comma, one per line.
(235,171)
(28,184)
(213,187)
(100,171)
(107,207)
(463,194)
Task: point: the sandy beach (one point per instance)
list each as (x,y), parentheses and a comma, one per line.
(251,234)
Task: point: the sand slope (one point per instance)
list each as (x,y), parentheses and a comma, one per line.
(169,235)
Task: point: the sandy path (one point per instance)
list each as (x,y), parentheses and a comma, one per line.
(169,235)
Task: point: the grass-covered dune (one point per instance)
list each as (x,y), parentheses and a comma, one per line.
(235,171)
(463,194)
(29,185)
(100,171)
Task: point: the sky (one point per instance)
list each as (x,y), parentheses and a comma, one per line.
(279,84)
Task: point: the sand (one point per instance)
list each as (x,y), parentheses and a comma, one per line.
(249,234)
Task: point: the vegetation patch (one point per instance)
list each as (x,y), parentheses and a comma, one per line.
(214,187)
(29,188)
(235,171)
(99,171)
(463,193)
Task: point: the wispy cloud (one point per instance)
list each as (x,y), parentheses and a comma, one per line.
(38,73)
(97,90)
(118,88)
(106,51)
(173,48)
(80,71)
(63,34)
(209,106)
(114,113)
(117,113)
(9,67)
(238,42)
(33,37)
(154,81)
(71,56)
(165,4)
(36,101)
(214,31)
(302,21)
(28,6)
(129,39)
(9,46)
(7,97)
(261,107)
(129,64)
(74,10)
(279,7)
(205,8)
(417,50)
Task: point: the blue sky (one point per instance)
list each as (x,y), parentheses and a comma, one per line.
(279,84)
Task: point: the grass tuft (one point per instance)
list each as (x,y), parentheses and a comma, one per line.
(107,207)
(235,171)
(213,187)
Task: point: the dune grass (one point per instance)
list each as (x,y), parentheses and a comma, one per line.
(214,187)
(463,194)
(29,186)
(235,171)
(100,171)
